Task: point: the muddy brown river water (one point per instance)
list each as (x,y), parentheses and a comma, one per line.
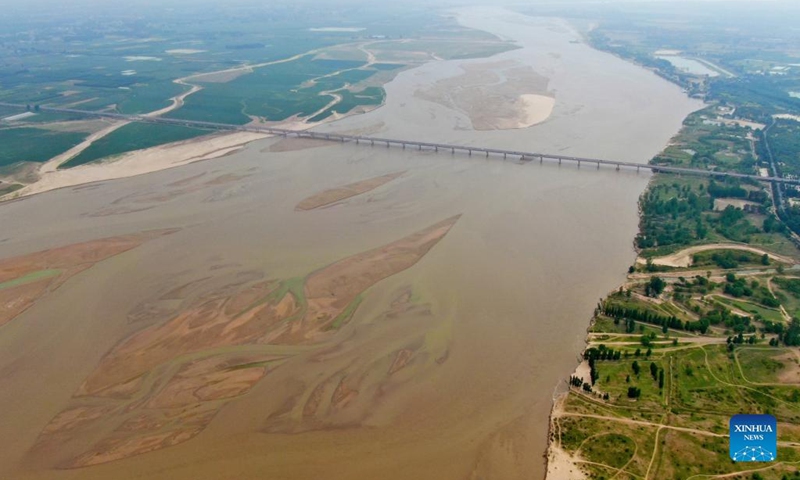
(416,330)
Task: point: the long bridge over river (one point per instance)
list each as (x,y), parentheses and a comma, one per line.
(414,144)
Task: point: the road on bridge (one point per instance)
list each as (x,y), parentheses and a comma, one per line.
(437,147)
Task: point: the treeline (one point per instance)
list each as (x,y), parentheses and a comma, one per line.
(760,95)
(631,314)
(788,334)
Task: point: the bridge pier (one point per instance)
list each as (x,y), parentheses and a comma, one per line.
(420,146)
(452,151)
(470,152)
(637,169)
(559,161)
(372,143)
(487,153)
(387,144)
(505,155)
(404,146)
(356,141)
(541,159)
(436,149)
(579,164)
(618,167)
(598,165)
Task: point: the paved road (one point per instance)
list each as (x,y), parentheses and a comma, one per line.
(444,147)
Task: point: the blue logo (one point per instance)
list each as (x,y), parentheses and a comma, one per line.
(754,438)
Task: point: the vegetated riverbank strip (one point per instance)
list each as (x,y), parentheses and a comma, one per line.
(522,156)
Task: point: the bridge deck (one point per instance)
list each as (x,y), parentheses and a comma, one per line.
(333,137)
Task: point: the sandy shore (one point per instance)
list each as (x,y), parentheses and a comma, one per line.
(142,161)
(53,164)
(537,109)
(560,464)
(160,157)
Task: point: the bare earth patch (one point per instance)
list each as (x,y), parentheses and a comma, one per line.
(684,257)
(334,195)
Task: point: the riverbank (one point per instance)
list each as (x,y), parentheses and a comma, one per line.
(445,340)
(701,312)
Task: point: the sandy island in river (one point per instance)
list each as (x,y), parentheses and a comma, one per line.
(335,195)
(163,385)
(488,93)
(24,280)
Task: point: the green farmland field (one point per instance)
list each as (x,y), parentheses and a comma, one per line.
(34,144)
(135,136)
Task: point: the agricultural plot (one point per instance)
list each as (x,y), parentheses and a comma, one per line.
(131,137)
(277,92)
(34,144)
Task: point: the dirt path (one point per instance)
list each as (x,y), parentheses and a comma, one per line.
(683,258)
(630,421)
(760,384)
(784,313)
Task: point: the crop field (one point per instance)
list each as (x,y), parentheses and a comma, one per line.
(275,92)
(131,137)
(131,64)
(34,144)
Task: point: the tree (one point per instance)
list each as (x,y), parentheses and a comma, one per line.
(765,259)
(654,370)
(636,368)
(655,286)
(791,336)
(661,378)
(631,269)
(634,392)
